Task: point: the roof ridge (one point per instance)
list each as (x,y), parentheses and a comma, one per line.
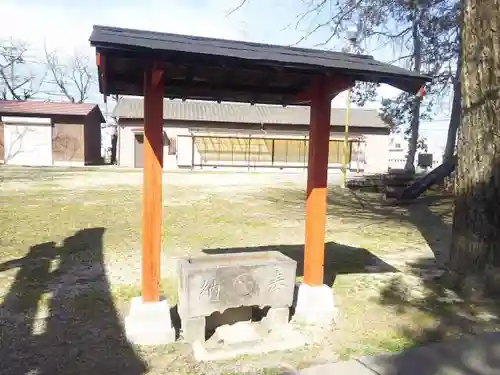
(119,30)
(44,108)
(43,102)
(239,104)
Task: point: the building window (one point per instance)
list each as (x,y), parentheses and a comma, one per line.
(172,146)
(397,145)
(264,151)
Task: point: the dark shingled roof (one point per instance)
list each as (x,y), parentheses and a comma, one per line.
(206,68)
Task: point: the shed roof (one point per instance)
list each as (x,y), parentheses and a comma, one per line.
(47,109)
(216,69)
(199,111)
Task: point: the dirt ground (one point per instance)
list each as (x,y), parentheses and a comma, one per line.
(70,262)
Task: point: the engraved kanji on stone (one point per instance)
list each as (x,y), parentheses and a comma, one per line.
(277,282)
(211,289)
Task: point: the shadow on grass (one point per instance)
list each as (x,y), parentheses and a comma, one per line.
(63,321)
(431,215)
(455,327)
(453,313)
(339,259)
(456,331)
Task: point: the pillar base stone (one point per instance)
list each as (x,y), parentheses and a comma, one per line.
(149,323)
(315,305)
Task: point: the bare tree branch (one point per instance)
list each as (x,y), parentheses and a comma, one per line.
(312,9)
(58,73)
(238,7)
(336,20)
(392,36)
(16,81)
(74,80)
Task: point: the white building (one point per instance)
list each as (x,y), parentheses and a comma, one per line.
(398,150)
(200,135)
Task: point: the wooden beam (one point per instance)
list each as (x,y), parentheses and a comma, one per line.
(152,183)
(330,86)
(101,72)
(226,84)
(317,173)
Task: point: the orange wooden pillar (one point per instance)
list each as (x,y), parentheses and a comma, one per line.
(152,183)
(317,176)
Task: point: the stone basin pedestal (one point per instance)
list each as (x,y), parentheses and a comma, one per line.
(213,283)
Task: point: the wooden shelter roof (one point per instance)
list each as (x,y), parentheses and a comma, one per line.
(224,70)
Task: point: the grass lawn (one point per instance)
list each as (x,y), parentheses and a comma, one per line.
(70,262)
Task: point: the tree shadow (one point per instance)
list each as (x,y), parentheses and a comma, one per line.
(452,331)
(63,321)
(454,328)
(431,215)
(468,356)
(461,304)
(455,331)
(339,259)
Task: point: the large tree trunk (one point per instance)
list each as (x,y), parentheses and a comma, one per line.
(413,140)
(456,108)
(475,249)
(415,116)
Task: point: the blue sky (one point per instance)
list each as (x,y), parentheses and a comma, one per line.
(66,26)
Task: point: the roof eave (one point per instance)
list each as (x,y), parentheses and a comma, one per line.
(403,81)
(131,44)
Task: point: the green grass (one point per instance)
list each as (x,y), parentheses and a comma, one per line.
(88,275)
(124,293)
(392,343)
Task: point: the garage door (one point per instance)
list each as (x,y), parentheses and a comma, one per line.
(28,144)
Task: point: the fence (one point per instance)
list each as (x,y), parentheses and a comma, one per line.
(399,163)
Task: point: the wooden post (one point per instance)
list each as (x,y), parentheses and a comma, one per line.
(317,175)
(152,183)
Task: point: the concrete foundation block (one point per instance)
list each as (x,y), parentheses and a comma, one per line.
(193,329)
(276,318)
(245,342)
(149,323)
(315,305)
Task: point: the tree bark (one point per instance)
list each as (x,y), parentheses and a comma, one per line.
(456,107)
(415,118)
(114,143)
(475,248)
